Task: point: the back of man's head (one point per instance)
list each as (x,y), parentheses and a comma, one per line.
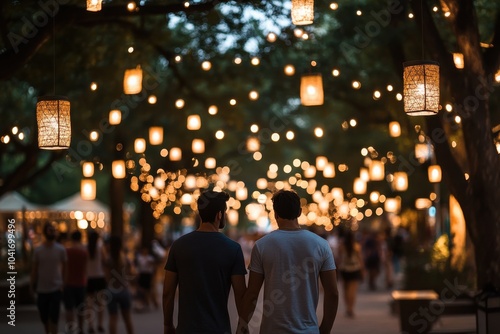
(286,204)
(76,236)
(210,203)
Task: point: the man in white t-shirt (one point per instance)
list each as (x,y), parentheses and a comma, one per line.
(289,262)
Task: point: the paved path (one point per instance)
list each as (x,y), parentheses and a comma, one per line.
(373,316)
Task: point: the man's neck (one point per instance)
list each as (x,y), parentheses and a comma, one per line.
(288,225)
(207,227)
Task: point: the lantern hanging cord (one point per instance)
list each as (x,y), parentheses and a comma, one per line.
(54,51)
(422,26)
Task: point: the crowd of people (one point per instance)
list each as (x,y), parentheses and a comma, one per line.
(93,281)
(98,280)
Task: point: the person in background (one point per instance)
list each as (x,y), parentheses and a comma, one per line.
(204,264)
(371,251)
(146,267)
(290,262)
(47,278)
(118,270)
(76,281)
(96,282)
(350,262)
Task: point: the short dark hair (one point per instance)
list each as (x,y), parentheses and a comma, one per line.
(210,203)
(46,227)
(76,235)
(286,204)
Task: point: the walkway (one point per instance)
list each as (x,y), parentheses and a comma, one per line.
(373,316)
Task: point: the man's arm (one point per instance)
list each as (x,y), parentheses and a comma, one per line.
(239,288)
(169,287)
(331,300)
(250,300)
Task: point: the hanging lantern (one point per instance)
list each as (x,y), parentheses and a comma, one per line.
(94,5)
(302,12)
(392,205)
(321,162)
(132,82)
(210,163)
(359,186)
(329,170)
(253,144)
(115,117)
(54,122)
(364,174)
(434,173)
(118,169)
(88,189)
(394,129)
(400,181)
(241,194)
(175,154)
(376,170)
(88,169)
(310,172)
(311,90)
(232,217)
(140,145)
(198,146)
(458,59)
(193,122)
(261,183)
(422,152)
(421,88)
(338,194)
(422,203)
(156,135)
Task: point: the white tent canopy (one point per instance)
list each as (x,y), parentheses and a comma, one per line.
(76,203)
(13,201)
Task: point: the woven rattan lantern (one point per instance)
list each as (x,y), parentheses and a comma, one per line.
(156,135)
(54,122)
(132,81)
(311,90)
(302,12)
(421,88)
(88,189)
(94,5)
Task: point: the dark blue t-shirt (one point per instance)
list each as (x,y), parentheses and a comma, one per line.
(204,263)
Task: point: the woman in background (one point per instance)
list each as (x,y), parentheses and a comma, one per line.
(96,282)
(350,263)
(118,270)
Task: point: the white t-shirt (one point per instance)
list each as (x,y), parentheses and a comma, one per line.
(290,262)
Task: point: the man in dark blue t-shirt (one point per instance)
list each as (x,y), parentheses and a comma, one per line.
(205,264)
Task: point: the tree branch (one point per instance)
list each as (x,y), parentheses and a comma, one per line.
(492,55)
(23,48)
